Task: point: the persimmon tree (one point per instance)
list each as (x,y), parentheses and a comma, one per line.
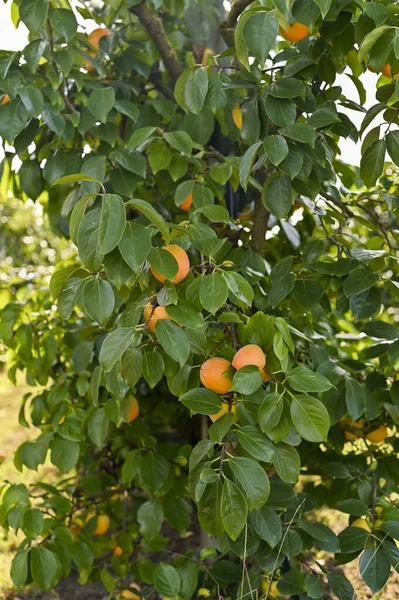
(228,265)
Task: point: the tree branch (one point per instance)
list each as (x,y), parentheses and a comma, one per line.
(259,228)
(226,27)
(155,28)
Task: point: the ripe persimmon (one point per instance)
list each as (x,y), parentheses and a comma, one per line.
(133,409)
(182,260)
(94,39)
(237,116)
(102,523)
(6,99)
(187,203)
(378,435)
(356,424)
(386,69)
(96,35)
(117,551)
(225,409)
(212,375)
(251,354)
(151,316)
(295,32)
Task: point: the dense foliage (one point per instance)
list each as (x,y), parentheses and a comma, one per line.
(210,134)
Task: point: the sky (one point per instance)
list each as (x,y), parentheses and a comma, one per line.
(16,39)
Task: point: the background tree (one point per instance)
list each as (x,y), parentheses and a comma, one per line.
(228,264)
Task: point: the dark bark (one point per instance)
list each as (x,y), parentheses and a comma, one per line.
(259,227)
(155,28)
(226,27)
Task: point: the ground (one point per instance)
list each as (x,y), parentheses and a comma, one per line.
(12,435)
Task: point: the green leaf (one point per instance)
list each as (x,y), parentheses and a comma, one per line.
(114,346)
(188,572)
(59,278)
(215,213)
(101,101)
(392,141)
(322,117)
(135,244)
(153,367)
(112,222)
(253,480)
(64,22)
(340,585)
(292,583)
(82,555)
(201,401)
(19,568)
(186,314)
(164,262)
(213,292)
(287,88)
(32,523)
(381,330)
(259,33)
(134,162)
(129,109)
(98,300)
(302,379)
(32,99)
(64,454)
(300,132)
(141,137)
(88,240)
(324,6)
(97,426)
(359,281)
(287,463)
(247,162)
(152,215)
(255,443)
(220,427)
(267,525)
(239,286)
(372,162)
(209,509)
(276,148)
(154,470)
(149,517)
(43,567)
(282,111)
(310,418)
(277,195)
(196,88)
(173,340)
(247,380)
(202,195)
(370,39)
(233,509)
(269,412)
(375,568)
(76,177)
(353,507)
(355,398)
(181,141)
(13,118)
(69,296)
(33,13)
